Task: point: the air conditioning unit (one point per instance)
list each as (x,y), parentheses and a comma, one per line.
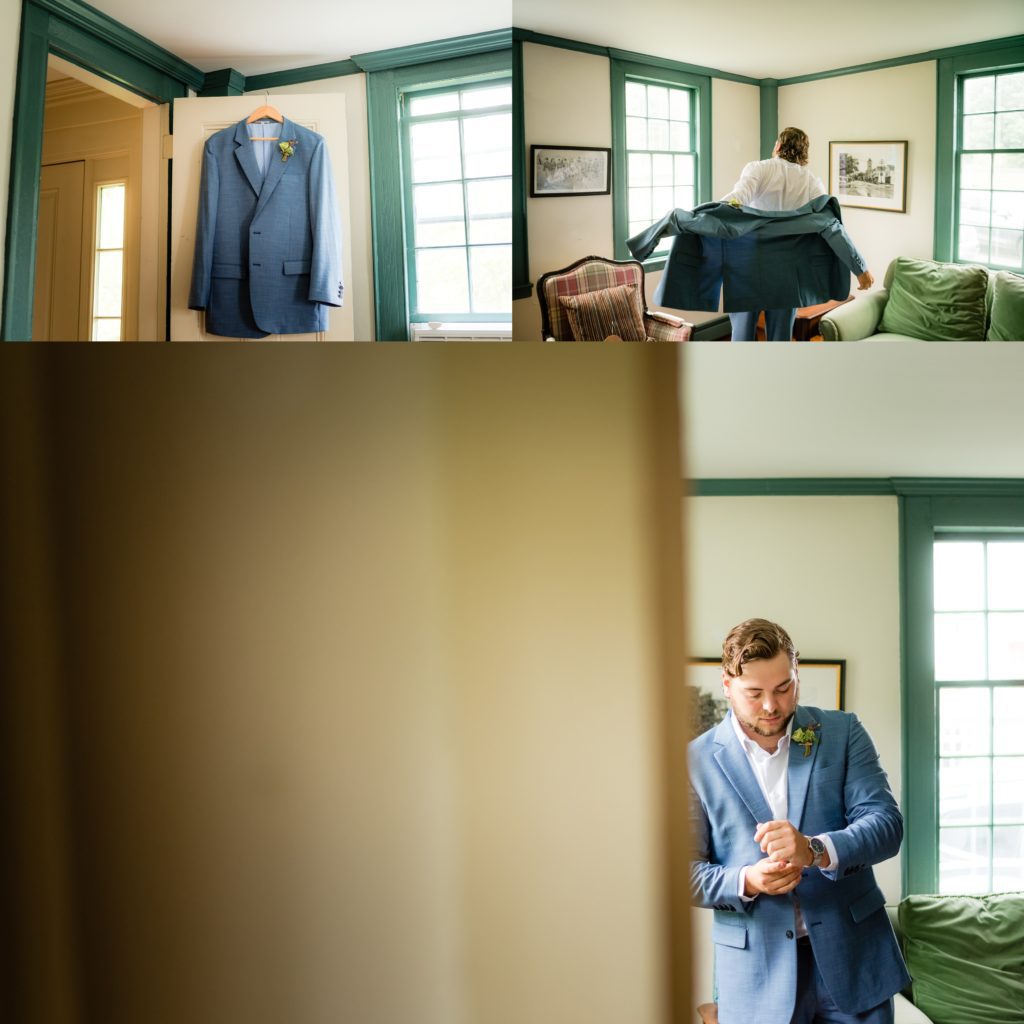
(435,331)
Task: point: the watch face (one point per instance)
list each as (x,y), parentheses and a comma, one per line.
(817,847)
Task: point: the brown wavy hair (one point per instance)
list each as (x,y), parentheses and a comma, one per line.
(755,640)
(793,145)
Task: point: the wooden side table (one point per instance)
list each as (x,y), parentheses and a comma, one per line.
(805,327)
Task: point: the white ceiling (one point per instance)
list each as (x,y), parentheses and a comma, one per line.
(774,40)
(258,36)
(901,409)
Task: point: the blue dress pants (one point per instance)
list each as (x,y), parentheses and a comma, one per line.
(814,1005)
(778,325)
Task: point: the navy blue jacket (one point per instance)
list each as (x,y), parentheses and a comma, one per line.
(756,259)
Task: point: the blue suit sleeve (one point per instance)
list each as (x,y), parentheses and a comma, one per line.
(325,280)
(206,226)
(874,828)
(713,886)
(842,245)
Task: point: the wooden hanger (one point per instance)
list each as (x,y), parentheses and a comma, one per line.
(265,111)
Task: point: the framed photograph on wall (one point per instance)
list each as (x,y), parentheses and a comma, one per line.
(570,171)
(822,685)
(872,175)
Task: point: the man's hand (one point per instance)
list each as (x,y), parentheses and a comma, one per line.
(865,281)
(771,878)
(784,844)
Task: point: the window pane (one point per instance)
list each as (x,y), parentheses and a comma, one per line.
(1008,171)
(488,142)
(1008,721)
(684,170)
(964,791)
(657,134)
(640,205)
(960,646)
(441,282)
(490,197)
(959,576)
(975,207)
(976,170)
(679,105)
(979,94)
(440,104)
(1007,859)
(1008,789)
(636,99)
(435,151)
(1008,210)
(1010,91)
(1007,247)
(1006,645)
(112,217)
(1006,575)
(963,860)
(107,295)
(444,232)
(492,279)
(493,229)
(661,165)
(978,131)
(437,202)
(678,136)
(1010,130)
(684,197)
(964,721)
(639,169)
(662,200)
(495,96)
(636,133)
(657,102)
(973,244)
(106,330)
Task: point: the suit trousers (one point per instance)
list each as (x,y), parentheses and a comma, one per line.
(778,325)
(814,1005)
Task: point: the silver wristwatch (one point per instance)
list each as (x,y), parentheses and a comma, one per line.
(817,851)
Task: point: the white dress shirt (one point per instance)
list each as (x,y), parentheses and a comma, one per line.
(775,184)
(772,774)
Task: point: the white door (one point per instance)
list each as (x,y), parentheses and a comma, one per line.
(55,315)
(195,120)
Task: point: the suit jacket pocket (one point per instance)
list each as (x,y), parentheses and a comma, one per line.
(297,266)
(729,934)
(867,904)
(232,270)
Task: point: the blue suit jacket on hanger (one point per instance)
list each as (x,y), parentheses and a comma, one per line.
(268,248)
(754,259)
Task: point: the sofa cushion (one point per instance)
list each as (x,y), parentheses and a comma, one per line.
(1007,323)
(595,315)
(966,956)
(936,301)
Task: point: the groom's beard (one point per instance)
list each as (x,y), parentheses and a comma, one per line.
(763,728)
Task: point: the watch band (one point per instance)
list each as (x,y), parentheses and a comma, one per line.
(817,850)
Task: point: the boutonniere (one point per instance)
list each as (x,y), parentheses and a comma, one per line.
(287,148)
(806,737)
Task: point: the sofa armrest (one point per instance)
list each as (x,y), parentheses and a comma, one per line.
(906,1012)
(854,321)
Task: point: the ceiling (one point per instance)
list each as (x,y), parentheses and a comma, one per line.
(905,409)
(259,36)
(774,40)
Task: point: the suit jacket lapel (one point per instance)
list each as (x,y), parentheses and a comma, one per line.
(732,759)
(278,167)
(800,766)
(246,157)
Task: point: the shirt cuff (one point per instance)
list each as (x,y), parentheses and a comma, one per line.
(832,871)
(743,886)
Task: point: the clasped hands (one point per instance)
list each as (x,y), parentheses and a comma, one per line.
(788,854)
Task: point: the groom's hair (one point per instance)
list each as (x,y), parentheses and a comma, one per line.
(793,145)
(755,640)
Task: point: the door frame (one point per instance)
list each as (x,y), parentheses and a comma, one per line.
(99,44)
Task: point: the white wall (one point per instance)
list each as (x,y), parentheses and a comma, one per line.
(564,229)
(825,568)
(10,29)
(894,103)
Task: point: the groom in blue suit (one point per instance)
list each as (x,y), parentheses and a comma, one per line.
(268,239)
(789,809)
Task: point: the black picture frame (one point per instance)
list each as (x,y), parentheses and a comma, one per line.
(570,171)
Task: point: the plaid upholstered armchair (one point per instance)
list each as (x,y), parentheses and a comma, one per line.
(597,298)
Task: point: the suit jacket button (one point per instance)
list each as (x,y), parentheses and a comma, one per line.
(789,934)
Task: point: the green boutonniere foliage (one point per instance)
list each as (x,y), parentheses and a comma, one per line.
(806,737)
(287,148)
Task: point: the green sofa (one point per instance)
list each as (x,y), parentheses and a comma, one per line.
(966,958)
(922,300)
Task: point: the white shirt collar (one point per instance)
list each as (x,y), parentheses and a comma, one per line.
(752,746)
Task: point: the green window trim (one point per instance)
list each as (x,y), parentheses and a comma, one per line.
(383,99)
(922,517)
(949,72)
(522,286)
(621,70)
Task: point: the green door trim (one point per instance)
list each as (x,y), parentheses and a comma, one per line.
(522,286)
(103,46)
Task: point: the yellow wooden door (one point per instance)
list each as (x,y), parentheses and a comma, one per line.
(56,311)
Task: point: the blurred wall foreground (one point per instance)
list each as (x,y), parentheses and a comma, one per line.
(338,686)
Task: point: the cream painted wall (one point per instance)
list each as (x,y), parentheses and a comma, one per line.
(10,29)
(894,103)
(347,706)
(358,263)
(826,568)
(563,230)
